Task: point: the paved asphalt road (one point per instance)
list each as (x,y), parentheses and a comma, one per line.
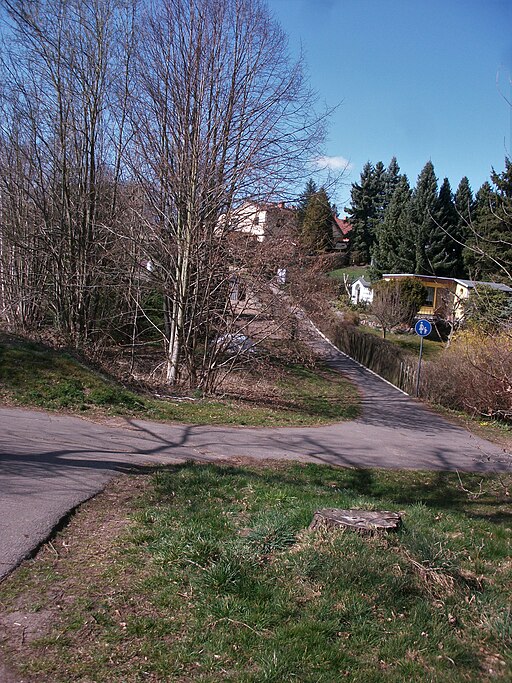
(50,463)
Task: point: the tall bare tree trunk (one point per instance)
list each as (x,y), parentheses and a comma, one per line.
(220,114)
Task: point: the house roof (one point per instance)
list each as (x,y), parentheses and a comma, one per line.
(493,285)
(430,278)
(470,284)
(361,279)
(343,225)
(267,206)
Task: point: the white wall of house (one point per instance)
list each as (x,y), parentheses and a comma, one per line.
(251,219)
(361,292)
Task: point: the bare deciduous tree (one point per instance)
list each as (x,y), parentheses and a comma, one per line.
(59,62)
(220,115)
(130,135)
(396,302)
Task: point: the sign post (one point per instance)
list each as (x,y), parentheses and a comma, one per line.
(422,328)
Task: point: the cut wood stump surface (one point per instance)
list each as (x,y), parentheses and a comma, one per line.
(358,520)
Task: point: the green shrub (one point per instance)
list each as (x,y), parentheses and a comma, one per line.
(112,396)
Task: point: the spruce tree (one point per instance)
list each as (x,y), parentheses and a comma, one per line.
(394,249)
(484,218)
(465,205)
(358,214)
(379,198)
(391,179)
(310,189)
(491,239)
(424,205)
(366,211)
(443,251)
(502,235)
(316,229)
(465,208)
(385,181)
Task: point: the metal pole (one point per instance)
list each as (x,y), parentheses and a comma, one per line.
(419,369)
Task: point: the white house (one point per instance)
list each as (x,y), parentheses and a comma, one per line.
(361,292)
(262,219)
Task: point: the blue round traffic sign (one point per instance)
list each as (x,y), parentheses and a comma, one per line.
(423,328)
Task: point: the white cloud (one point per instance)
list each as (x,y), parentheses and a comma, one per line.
(333,163)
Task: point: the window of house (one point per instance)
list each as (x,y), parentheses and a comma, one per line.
(429,299)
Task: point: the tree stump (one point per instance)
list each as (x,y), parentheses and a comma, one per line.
(363,521)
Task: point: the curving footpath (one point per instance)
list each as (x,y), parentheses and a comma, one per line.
(50,463)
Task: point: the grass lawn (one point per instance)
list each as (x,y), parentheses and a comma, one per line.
(409,342)
(352,272)
(34,375)
(208,573)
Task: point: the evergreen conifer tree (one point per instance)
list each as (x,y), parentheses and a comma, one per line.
(489,253)
(483,220)
(443,251)
(424,205)
(310,189)
(502,235)
(366,210)
(394,249)
(391,180)
(379,198)
(316,230)
(359,214)
(464,204)
(465,208)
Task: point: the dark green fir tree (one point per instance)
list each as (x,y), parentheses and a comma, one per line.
(484,220)
(442,250)
(464,205)
(394,250)
(310,189)
(366,211)
(424,205)
(317,225)
(501,238)
(379,192)
(489,252)
(465,208)
(391,179)
(359,215)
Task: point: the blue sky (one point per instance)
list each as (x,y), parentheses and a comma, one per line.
(416,79)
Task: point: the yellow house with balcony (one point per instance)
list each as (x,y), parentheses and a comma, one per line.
(445,295)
